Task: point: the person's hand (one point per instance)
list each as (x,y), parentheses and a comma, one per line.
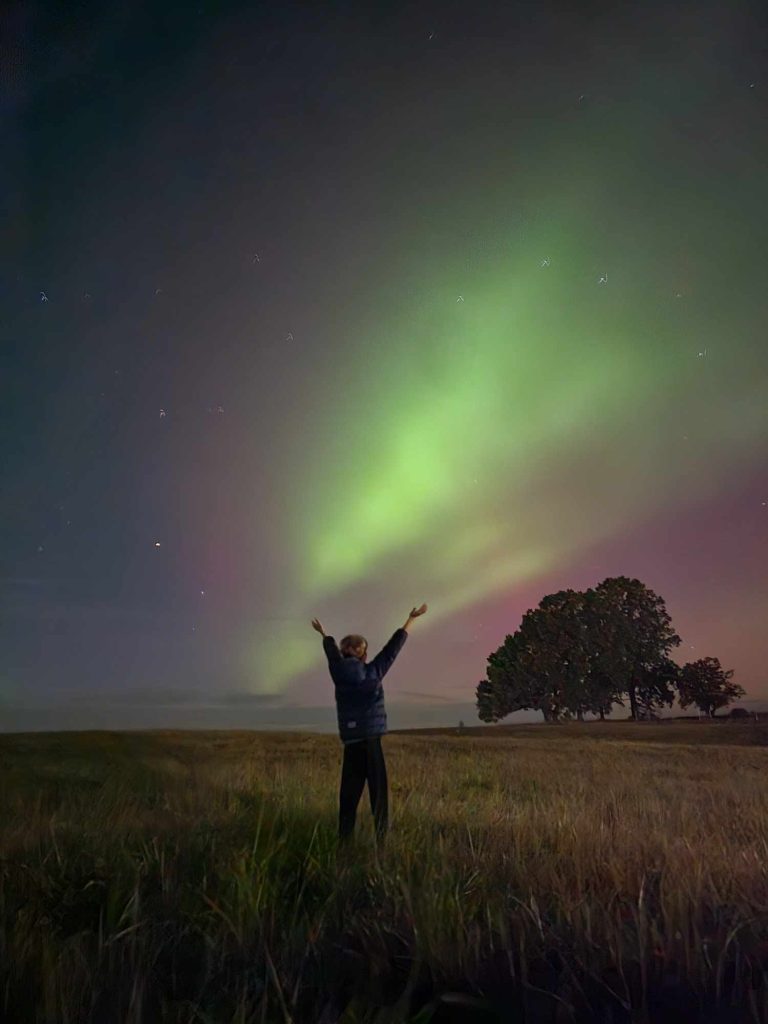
(316,626)
(418,611)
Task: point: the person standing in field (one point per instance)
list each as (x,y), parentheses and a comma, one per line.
(362,721)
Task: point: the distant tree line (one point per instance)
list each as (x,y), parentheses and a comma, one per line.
(585,651)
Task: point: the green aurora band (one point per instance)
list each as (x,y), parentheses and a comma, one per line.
(503,419)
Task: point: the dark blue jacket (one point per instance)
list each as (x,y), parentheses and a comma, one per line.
(359,693)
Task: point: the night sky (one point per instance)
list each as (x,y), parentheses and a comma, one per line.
(331,309)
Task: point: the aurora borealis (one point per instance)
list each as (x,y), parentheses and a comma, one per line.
(457,304)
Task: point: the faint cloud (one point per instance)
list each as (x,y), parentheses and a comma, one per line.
(253,699)
(153,696)
(419,695)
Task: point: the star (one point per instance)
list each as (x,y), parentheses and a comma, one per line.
(289,336)
(603,279)
(256,258)
(202,593)
(158,290)
(39,547)
(702,354)
(460,298)
(87,295)
(157,543)
(546,261)
(43,297)
(220,409)
(162,413)
(431,35)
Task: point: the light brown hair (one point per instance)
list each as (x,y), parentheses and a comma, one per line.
(353,646)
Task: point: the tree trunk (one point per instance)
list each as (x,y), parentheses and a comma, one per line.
(579,715)
(633,702)
(602,715)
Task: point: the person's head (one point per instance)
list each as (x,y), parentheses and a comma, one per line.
(354,646)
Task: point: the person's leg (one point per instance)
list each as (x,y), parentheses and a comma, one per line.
(377,786)
(351,789)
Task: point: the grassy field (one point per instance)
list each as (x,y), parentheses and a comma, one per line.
(598,872)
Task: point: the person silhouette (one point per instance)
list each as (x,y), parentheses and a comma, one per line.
(362,721)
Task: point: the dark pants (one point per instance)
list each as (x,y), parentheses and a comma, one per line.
(363,761)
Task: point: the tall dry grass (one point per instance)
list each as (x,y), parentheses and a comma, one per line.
(571,873)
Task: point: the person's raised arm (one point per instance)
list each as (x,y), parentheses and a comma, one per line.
(329,644)
(415,613)
(382,663)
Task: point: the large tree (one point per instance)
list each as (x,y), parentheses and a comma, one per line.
(568,636)
(580,651)
(547,664)
(511,685)
(555,653)
(705,684)
(633,644)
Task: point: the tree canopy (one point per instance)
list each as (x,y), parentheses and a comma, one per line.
(584,651)
(705,684)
